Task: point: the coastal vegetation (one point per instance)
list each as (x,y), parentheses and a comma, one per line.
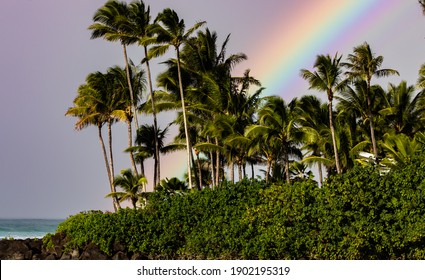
(361,214)
(365,142)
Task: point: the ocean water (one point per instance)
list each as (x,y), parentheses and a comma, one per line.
(27,228)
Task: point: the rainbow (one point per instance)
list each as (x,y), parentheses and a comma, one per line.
(311,28)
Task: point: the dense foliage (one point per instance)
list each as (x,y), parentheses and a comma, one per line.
(361,214)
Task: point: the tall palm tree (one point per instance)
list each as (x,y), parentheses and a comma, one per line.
(133,186)
(364,65)
(139,18)
(328,78)
(111,23)
(84,105)
(170,30)
(94,105)
(125,113)
(353,103)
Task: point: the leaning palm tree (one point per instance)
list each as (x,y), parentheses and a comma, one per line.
(133,187)
(170,30)
(111,23)
(327,78)
(94,105)
(363,65)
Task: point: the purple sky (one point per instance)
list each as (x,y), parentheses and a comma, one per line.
(47,169)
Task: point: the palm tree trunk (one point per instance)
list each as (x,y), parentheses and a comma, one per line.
(186,130)
(111,162)
(142,168)
(240,174)
(130,87)
(244,170)
(212,169)
(155,170)
(319,168)
(217,165)
(157,163)
(331,124)
(371,124)
(105,156)
(252,171)
(232,171)
(199,171)
(195,172)
(288,179)
(269,165)
(130,144)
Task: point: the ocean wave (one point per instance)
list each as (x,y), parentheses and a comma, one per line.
(26,228)
(20,235)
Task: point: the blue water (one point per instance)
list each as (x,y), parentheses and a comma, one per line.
(27,228)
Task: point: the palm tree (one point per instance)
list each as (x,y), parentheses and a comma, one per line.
(327,78)
(146,139)
(124,113)
(171,186)
(94,105)
(266,152)
(84,110)
(111,23)
(314,121)
(139,18)
(171,31)
(400,149)
(404,110)
(353,104)
(278,123)
(363,65)
(133,186)
(299,172)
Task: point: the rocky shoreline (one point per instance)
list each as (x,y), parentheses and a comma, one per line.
(33,249)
